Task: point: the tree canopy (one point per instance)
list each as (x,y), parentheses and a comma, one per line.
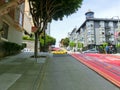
(65,42)
(48,42)
(43,11)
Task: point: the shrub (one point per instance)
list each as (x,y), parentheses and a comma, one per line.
(11,48)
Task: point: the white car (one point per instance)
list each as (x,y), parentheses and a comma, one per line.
(26,50)
(91,51)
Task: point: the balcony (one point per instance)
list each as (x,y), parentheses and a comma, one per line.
(107,27)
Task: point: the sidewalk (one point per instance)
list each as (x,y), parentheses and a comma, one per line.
(20,72)
(117,54)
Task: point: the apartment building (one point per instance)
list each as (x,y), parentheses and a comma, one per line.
(73,35)
(96,31)
(11,23)
(11,20)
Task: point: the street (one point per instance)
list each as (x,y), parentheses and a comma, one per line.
(63,72)
(57,72)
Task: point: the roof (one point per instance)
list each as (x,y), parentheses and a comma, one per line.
(89,11)
(97,19)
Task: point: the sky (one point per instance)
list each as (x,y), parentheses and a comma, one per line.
(101,9)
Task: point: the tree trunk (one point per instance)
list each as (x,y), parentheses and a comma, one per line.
(44,42)
(36,45)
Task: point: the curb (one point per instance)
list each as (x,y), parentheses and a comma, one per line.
(40,76)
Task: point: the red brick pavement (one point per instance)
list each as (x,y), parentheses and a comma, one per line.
(105,64)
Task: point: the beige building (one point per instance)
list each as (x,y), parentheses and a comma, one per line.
(28,23)
(11,20)
(11,24)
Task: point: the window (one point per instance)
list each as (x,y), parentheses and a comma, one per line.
(17,15)
(21,19)
(103,32)
(4,34)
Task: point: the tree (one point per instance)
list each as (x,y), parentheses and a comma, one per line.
(72,44)
(49,41)
(64,42)
(80,45)
(43,11)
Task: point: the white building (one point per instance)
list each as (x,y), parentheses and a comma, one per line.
(73,35)
(96,31)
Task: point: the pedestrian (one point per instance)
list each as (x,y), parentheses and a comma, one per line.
(107,49)
(111,49)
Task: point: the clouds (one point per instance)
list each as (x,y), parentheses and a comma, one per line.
(104,8)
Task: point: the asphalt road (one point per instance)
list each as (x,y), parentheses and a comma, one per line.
(63,72)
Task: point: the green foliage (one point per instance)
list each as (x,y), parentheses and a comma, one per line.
(48,41)
(118,45)
(104,45)
(43,11)
(80,45)
(26,37)
(11,48)
(65,42)
(55,9)
(24,45)
(66,8)
(72,44)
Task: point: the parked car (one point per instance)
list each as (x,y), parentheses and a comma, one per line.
(55,48)
(26,50)
(59,51)
(91,51)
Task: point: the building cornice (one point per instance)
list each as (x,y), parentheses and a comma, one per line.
(96,19)
(5,8)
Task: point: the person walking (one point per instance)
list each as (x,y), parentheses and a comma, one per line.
(111,49)
(107,49)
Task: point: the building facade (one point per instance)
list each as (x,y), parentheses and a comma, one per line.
(73,35)
(11,20)
(11,25)
(96,31)
(28,22)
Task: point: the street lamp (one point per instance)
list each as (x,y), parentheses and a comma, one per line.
(118,29)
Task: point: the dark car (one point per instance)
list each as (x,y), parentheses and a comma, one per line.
(91,51)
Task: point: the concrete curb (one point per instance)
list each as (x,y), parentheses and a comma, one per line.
(40,77)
